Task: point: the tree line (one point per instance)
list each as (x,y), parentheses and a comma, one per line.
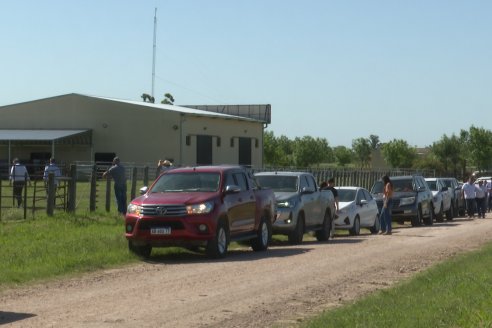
(455,155)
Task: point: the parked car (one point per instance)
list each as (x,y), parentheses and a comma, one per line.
(201,206)
(441,199)
(301,205)
(358,209)
(458,203)
(412,199)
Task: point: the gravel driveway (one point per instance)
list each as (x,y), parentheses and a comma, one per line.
(247,289)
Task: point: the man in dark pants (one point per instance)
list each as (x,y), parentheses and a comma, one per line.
(18,177)
(117,171)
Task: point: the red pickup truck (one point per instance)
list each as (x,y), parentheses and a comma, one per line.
(201,206)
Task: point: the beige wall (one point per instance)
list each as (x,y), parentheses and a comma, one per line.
(136,133)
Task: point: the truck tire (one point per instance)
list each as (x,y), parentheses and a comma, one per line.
(141,251)
(324,233)
(295,236)
(217,246)
(440,215)
(416,220)
(263,235)
(429,220)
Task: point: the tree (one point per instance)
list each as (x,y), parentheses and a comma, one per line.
(343,155)
(168,99)
(447,152)
(398,153)
(147,98)
(362,151)
(308,151)
(374,140)
(480,146)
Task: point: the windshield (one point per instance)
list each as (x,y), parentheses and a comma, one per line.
(432,185)
(187,182)
(346,195)
(278,183)
(377,188)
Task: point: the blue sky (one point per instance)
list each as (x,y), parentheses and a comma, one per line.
(340,70)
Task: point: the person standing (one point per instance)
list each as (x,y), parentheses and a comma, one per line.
(468,191)
(480,198)
(163,166)
(331,187)
(117,172)
(385,217)
(52,167)
(18,177)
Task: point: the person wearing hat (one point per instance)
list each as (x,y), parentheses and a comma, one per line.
(163,165)
(18,177)
(117,172)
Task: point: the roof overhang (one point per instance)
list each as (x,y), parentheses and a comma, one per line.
(83,137)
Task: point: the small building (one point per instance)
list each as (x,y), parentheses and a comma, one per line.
(75,127)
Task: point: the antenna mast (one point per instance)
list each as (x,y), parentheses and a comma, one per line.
(153,55)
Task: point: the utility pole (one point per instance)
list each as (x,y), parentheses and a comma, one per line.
(153,56)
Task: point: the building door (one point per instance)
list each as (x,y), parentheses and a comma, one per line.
(203,150)
(245,151)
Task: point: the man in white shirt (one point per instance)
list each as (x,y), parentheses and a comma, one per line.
(468,191)
(480,196)
(18,177)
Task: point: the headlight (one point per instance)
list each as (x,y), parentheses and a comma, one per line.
(203,208)
(286,204)
(134,209)
(407,201)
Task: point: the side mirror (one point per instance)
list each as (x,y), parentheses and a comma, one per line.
(143,190)
(232,189)
(363,202)
(307,190)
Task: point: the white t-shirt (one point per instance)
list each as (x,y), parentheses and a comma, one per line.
(469,190)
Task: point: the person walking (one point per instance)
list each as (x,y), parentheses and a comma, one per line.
(18,177)
(117,172)
(331,187)
(385,217)
(468,191)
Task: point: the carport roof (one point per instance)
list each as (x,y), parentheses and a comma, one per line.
(38,134)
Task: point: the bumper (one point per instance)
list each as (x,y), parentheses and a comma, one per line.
(163,232)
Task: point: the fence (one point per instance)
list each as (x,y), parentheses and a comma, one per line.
(82,187)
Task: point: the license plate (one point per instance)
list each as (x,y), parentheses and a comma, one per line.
(160,231)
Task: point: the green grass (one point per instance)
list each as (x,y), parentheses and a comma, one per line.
(456,293)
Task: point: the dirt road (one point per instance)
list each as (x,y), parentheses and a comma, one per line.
(246,289)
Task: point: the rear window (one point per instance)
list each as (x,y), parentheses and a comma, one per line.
(278,183)
(187,182)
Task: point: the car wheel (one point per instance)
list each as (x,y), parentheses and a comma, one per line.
(450,213)
(260,242)
(295,237)
(416,220)
(324,233)
(355,230)
(141,251)
(377,225)
(429,220)
(217,246)
(440,215)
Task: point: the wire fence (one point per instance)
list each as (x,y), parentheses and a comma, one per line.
(82,188)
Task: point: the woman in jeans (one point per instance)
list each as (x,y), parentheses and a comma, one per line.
(387,204)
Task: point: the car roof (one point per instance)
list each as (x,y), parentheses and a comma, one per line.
(281,173)
(349,188)
(205,169)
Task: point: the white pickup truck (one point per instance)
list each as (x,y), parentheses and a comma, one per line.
(301,205)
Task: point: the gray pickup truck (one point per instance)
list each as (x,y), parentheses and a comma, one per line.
(301,205)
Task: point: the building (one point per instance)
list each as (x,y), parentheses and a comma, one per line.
(77,127)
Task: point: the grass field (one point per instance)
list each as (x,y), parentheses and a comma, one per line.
(456,293)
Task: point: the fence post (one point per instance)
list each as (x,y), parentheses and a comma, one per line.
(92,197)
(51,194)
(108,195)
(24,203)
(134,183)
(146,176)
(72,189)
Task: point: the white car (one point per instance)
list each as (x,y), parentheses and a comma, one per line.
(358,209)
(441,199)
